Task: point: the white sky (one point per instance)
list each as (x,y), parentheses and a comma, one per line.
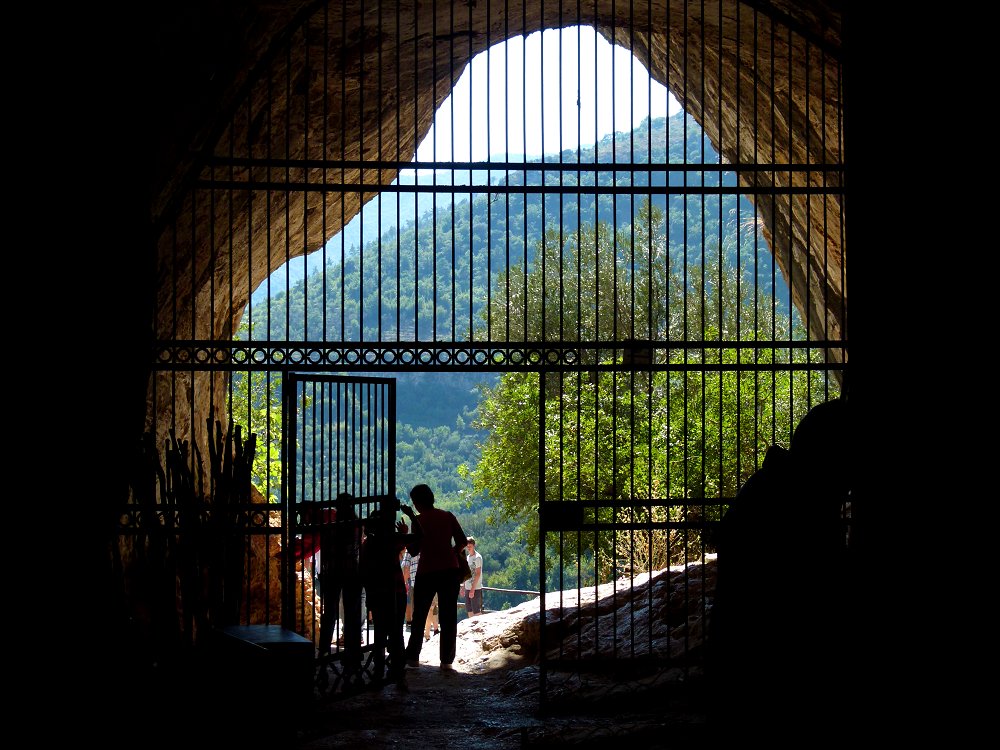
(591,70)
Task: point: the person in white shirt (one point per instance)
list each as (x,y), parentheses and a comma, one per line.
(474,586)
(409,565)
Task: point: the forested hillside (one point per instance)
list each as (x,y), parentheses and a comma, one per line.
(500,231)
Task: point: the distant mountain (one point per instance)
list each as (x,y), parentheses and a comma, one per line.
(378,217)
(469,234)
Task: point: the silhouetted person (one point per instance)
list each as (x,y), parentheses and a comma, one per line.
(438,538)
(336,535)
(338,540)
(383,580)
(778,646)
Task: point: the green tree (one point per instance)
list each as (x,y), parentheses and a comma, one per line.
(637,445)
(255,401)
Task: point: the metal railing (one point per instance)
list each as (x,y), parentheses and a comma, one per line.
(461,603)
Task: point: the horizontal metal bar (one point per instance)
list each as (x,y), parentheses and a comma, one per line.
(512,591)
(640,504)
(439,367)
(568,357)
(516,166)
(316,187)
(635,526)
(489,346)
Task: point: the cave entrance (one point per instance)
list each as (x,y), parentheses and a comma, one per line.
(665,300)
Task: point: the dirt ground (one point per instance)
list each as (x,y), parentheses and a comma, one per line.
(491,701)
(430,708)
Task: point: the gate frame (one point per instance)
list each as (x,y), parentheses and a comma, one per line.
(290,398)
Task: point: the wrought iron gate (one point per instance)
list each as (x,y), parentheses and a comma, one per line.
(674,292)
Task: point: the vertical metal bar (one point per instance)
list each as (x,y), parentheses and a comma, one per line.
(774,256)
(631,278)
(308,419)
(723,327)
(316,423)
(668,377)
(738,63)
(287,487)
(774,219)
(355,447)
(175,325)
(339,435)
(577,335)
(578,456)
(792,352)
(826,228)
(378,197)
(434,158)
(842,182)
(323,450)
(633,334)
(343,175)
(333,428)
(268,195)
(506,179)
(194,334)
(364,411)
(375,457)
(472,195)
(542,542)
(614,200)
(392,437)
(684,291)
(650,331)
(399,157)
(839,227)
(488,274)
(454,196)
(288,179)
(361,192)
(561,202)
(174,332)
(288,389)
(325,335)
(809,198)
(541,195)
(372,435)
(756,242)
(704,261)
(209,327)
(599,511)
(251,427)
(416,195)
(229,258)
(615,491)
(305,197)
(524,156)
(313,446)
